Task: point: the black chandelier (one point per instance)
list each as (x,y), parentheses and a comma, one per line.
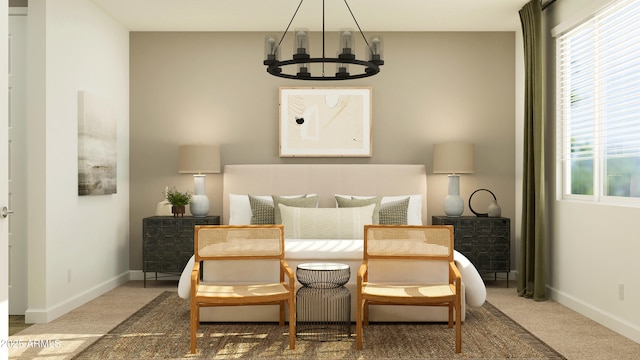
(302,61)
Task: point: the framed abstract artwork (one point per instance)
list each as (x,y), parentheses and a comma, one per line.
(97,146)
(325,122)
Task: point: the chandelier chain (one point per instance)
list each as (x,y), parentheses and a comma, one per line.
(358,25)
(288,26)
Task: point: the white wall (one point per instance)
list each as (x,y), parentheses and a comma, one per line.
(592,248)
(78,246)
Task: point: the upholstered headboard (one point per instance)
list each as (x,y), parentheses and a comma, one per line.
(326,180)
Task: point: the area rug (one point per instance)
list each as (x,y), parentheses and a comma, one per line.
(160,330)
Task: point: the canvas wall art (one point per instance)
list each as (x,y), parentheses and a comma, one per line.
(325,122)
(97,146)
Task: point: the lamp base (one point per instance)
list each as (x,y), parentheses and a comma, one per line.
(453,203)
(199,205)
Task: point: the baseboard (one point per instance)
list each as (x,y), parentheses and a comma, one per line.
(604,318)
(136,275)
(33,316)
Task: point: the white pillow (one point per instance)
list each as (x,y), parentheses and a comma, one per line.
(325,223)
(414,212)
(240,209)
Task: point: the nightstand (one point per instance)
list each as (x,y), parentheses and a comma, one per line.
(167,242)
(485,241)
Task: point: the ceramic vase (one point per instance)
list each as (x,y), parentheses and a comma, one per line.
(494,209)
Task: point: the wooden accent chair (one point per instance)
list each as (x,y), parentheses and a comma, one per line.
(249,242)
(406,243)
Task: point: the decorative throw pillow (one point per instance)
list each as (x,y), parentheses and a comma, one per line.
(308,201)
(240,209)
(414,213)
(262,211)
(394,212)
(325,223)
(344,202)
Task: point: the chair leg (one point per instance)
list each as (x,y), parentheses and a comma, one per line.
(365,306)
(359,316)
(281,317)
(193,326)
(292,324)
(458,326)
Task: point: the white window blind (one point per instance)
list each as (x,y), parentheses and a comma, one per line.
(598,79)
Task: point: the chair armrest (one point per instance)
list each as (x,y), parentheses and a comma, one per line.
(287,270)
(363,273)
(454,275)
(195,277)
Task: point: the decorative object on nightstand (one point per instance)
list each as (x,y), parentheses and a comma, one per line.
(199,160)
(178,201)
(163,208)
(453,159)
(493,210)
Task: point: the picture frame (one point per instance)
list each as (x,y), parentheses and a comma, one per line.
(325,122)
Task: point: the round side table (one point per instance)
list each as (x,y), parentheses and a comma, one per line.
(323,303)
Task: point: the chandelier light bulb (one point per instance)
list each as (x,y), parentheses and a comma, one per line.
(375,45)
(346,40)
(271,45)
(302,41)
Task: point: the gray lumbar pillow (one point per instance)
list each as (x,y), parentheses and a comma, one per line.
(345,202)
(308,201)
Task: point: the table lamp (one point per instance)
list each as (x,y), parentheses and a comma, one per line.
(199,160)
(453,159)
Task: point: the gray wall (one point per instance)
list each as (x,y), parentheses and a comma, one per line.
(212,88)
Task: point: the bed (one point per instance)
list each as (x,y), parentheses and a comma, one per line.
(326,181)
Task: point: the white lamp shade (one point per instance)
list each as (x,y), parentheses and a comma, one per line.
(454,158)
(199,159)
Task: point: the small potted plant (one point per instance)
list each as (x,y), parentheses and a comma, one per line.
(178,201)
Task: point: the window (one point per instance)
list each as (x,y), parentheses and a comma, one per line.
(598,79)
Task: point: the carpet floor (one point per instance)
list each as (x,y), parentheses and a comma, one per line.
(160,330)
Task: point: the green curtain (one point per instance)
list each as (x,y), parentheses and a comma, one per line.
(531,269)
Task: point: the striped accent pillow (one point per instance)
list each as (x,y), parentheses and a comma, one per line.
(326,223)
